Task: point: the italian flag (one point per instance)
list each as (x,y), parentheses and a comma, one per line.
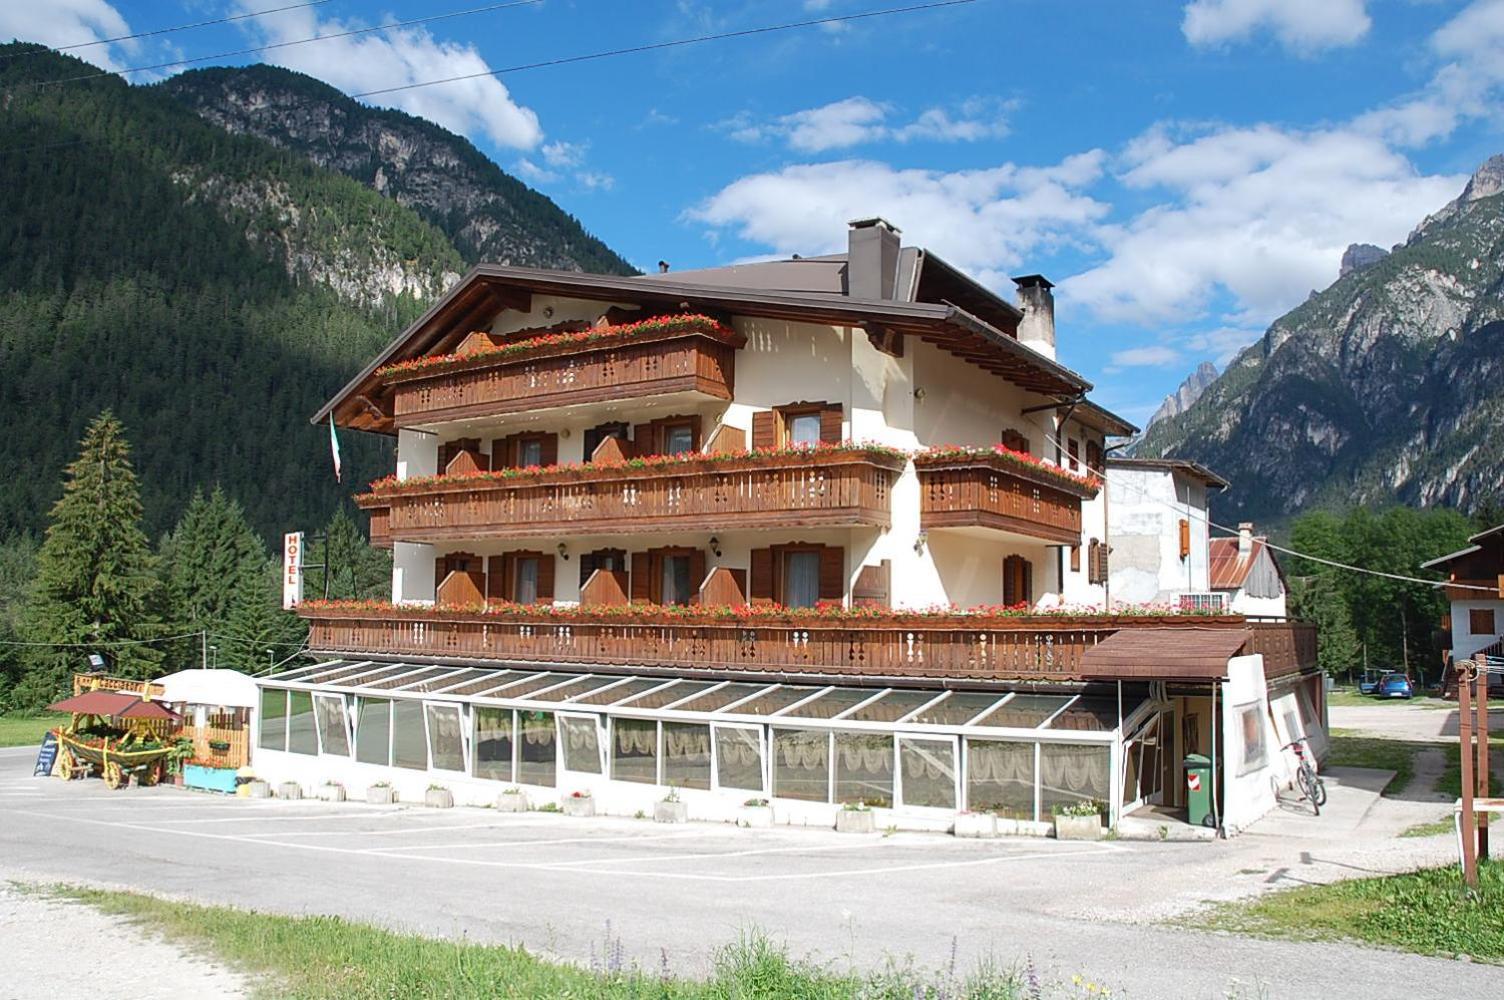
(334,447)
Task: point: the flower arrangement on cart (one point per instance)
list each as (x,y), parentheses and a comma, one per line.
(119,735)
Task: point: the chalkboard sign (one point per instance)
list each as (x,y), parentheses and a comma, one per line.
(46,755)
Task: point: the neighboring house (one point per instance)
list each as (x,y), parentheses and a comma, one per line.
(748,533)
(1159,532)
(1245,571)
(1475,577)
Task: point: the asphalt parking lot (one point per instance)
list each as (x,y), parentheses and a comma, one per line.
(555,884)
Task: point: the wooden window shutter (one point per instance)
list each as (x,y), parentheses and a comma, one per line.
(545,577)
(642,440)
(696,574)
(440,570)
(832,573)
(641,585)
(830,423)
(504,452)
(1185,537)
(1075,558)
(1018,581)
(1014,441)
(1073,450)
(764,431)
(1094,456)
(496,575)
(1096,562)
(760,585)
(548,449)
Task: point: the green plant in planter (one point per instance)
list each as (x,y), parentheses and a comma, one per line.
(549,807)
(177,754)
(673,794)
(436,787)
(219,746)
(381,784)
(755,803)
(1087,807)
(857,807)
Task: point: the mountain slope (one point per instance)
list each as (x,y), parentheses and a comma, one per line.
(211,289)
(1383,387)
(488,214)
(1189,391)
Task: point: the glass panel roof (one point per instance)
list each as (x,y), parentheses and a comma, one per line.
(891,707)
(772,700)
(669,695)
(386,673)
(1092,714)
(721,697)
(957,710)
(1025,711)
(414,676)
(584,685)
(464,677)
(338,674)
(621,692)
(436,683)
(521,687)
(489,679)
(298,672)
(832,703)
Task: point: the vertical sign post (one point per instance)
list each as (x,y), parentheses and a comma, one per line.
(292,570)
(1469,820)
(1484,788)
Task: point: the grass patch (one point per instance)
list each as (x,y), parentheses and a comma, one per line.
(1450,782)
(1429,829)
(1374,752)
(24,730)
(1428,912)
(324,958)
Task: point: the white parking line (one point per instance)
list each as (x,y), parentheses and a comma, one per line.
(468,845)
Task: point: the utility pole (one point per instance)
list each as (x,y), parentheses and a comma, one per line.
(203,650)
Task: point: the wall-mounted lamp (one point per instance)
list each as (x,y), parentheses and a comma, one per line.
(715,546)
(563,551)
(564,434)
(548,312)
(919,394)
(920,541)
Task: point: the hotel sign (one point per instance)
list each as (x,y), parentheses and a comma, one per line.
(292,570)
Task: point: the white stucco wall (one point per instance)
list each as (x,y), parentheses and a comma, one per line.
(417,454)
(1248,788)
(1242,603)
(412,573)
(1464,643)
(1146,508)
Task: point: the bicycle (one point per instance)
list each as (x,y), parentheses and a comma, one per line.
(1311,785)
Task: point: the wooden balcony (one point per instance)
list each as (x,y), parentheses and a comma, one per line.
(891,647)
(568,374)
(834,488)
(988,491)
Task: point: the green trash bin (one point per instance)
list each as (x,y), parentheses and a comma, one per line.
(1198,790)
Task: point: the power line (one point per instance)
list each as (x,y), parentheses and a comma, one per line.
(291,42)
(168,31)
(105,643)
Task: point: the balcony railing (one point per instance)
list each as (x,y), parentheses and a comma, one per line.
(894,646)
(990,491)
(701,361)
(827,488)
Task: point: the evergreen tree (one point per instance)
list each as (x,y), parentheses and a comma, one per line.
(356,570)
(257,623)
(96,583)
(211,559)
(18,557)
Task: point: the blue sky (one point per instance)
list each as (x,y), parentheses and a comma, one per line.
(1185,170)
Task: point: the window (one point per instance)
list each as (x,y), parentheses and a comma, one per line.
(738,758)
(1000,778)
(608,560)
(804,429)
(801,579)
(1096,562)
(582,745)
(1018,581)
(537,749)
(634,750)
(525,586)
(595,435)
(1251,726)
(686,755)
(1070,773)
(273,719)
(1014,441)
(927,770)
(492,744)
(1073,453)
(801,765)
(678,438)
(446,747)
(864,768)
(301,734)
(334,737)
(373,731)
(675,584)
(1480,621)
(409,743)
(529,452)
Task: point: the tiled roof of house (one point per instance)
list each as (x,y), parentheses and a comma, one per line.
(1229,567)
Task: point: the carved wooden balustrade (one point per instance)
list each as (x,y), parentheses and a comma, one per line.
(992,492)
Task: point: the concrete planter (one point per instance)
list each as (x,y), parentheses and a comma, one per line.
(331,793)
(512,802)
(438,798)
(976,825)
(289,790)
(1078,828)
(856,821)
(1023,828)
(670,812)
(381,795)
(258,790)
(755,816)
(579,805)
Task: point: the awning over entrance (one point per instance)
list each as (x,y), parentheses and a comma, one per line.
(1165,653)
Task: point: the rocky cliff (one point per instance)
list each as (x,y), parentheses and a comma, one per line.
(1190,390)
(1383,387)
(488,214)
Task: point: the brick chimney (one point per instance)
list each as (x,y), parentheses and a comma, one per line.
(1037,328)
(871,258)
(1245,537)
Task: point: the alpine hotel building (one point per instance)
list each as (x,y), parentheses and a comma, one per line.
(818,531)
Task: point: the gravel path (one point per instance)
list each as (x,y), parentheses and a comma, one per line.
(109,958)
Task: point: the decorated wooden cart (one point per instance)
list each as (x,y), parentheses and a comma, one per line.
(116,734)
(80,757)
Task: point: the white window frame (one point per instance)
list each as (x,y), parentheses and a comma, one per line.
(955,756)
(764,758)
(610,750)
(429,706)
(344,719)
(389,730)
(594,718)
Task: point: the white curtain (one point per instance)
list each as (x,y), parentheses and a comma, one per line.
(801,579)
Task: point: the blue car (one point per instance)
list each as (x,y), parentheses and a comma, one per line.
(1393,686)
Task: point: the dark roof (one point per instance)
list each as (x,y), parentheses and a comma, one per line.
(1166,653)
(1185,467)
(1109,423)
(488,288)
(1228,567)
(1476,545)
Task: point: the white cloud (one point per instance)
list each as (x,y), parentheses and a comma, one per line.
(853,121)
(1302,26)
(480,107)
(1153,356)
(65,23)
(1223,344)
(563,154)
(982,220)
(532,173)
